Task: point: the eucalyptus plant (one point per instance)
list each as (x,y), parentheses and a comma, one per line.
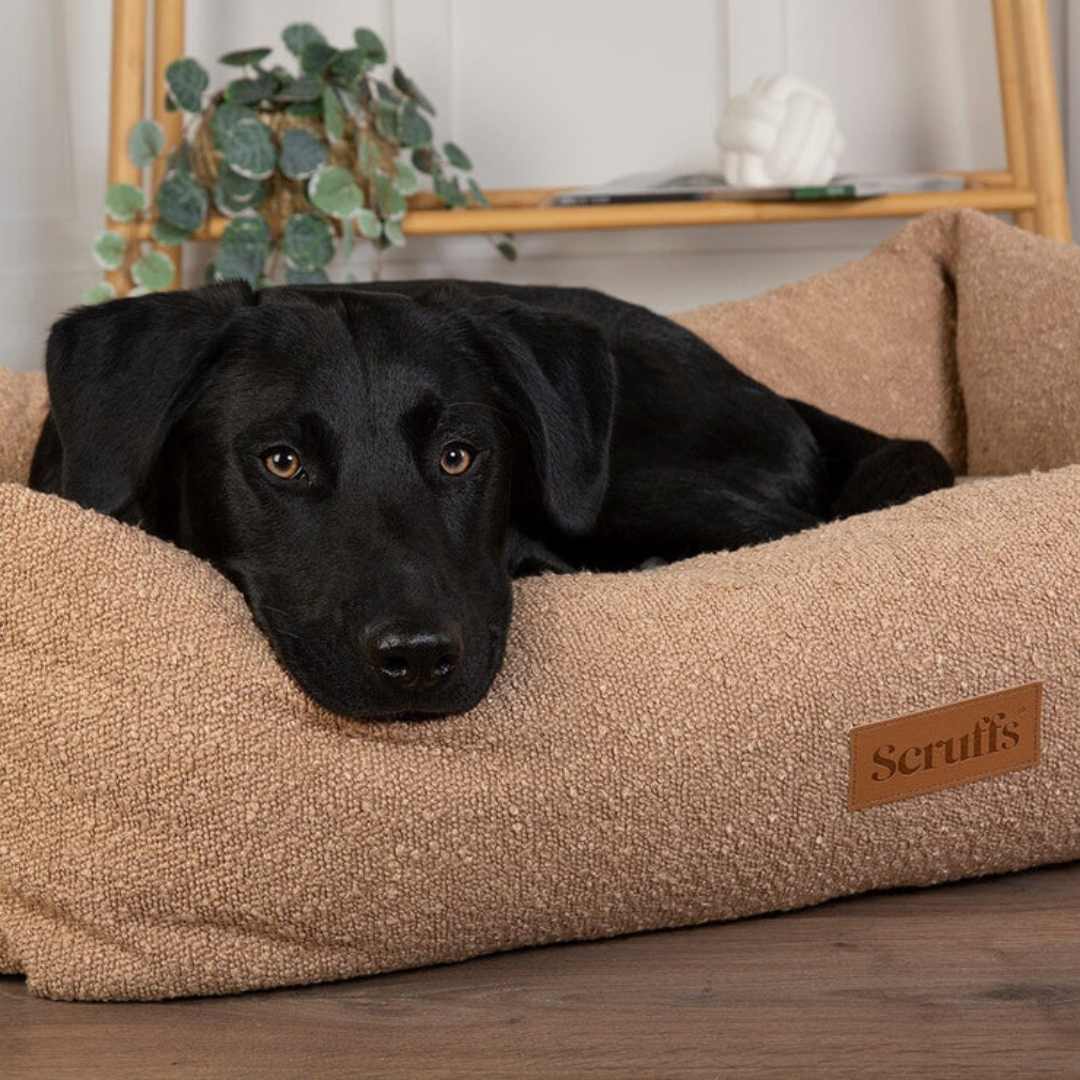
(302,163)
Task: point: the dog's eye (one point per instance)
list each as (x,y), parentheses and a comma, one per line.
(455,459)
(283,463)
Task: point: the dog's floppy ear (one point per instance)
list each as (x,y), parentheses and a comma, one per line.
(120,374)
(555,376)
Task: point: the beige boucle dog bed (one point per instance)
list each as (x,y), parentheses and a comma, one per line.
(661,748)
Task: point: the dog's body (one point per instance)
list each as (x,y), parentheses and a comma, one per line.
(371,464)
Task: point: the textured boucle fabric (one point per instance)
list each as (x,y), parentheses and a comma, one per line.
(961,330)
(660,749)
(24,401)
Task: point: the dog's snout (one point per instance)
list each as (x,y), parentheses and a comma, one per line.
(411,658)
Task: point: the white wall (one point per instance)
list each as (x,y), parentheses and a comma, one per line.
(540,92)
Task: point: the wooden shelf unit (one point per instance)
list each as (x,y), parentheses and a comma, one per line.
(1032,187)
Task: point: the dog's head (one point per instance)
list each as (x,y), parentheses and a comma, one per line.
(355,462)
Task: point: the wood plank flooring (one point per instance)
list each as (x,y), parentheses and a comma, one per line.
(974,979)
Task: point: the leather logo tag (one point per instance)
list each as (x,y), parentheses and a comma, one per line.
(945,747)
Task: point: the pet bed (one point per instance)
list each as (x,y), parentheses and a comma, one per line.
(661,748)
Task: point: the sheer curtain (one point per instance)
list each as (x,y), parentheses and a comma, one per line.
(52,56)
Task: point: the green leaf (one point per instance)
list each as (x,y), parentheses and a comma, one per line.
(145,141)
(388,120)
(225,117)
(167,234)
(334,191)
(182,201)
(124,201)
(245,57)
(368,156)
(415,130)
(305,277)
(154,271)
(391,201)
(304,110)
(179,157)
(108,250)
(407,182)
(316,56)
(388,93)
(394,233)
(245,247)
(507,250)
(297,35)
(251,91)
(99,293)
(307,242)
(477,193)
(349,100)
(139,290)
(249,149)
(233,193)
(305,89)
(368,224)
(253,229)
(450,191)
(424,159)
(348,240)
(187,81)
(302,152)
(410,89)
(333,114)
(456,156)
(348,66)
(370,44)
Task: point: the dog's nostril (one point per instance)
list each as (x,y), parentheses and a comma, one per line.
(413,659)
(445,665)
(395,667)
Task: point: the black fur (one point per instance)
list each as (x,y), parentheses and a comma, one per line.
(601,436)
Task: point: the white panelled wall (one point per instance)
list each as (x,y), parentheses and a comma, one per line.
(539,92)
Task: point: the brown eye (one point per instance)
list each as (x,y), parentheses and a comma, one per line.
(282,462)
(455,459)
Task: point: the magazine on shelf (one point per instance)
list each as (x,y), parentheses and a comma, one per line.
(703,186)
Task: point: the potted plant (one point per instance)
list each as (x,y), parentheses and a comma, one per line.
(302,163)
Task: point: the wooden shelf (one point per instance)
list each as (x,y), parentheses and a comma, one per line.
(542,218)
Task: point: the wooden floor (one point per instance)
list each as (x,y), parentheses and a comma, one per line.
(974,979)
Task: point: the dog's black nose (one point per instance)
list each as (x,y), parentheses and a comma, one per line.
(414,659)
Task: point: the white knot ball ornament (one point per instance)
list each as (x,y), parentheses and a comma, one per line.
(784,132)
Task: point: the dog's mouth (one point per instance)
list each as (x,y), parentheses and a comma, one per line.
(417,716)
(366,705)
(337,678)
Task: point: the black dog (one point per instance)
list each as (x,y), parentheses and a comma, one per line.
(372,465)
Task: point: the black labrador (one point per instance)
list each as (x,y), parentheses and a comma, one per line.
(371,465)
